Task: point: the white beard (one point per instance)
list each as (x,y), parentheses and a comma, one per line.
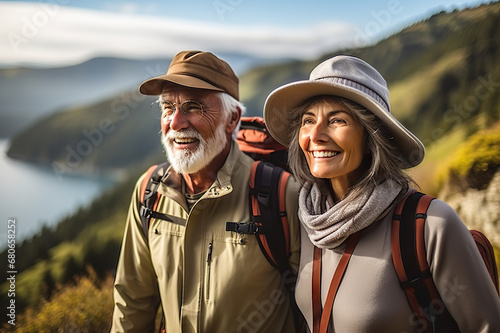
(187,161)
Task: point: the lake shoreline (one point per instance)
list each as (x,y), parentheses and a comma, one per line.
(36,196)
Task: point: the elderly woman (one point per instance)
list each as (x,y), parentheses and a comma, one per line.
(349,153)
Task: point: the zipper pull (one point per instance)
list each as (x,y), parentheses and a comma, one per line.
(209,256)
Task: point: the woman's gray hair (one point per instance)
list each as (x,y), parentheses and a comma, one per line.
(382,161)
(230,105)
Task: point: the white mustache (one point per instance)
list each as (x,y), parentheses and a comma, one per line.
(185,134)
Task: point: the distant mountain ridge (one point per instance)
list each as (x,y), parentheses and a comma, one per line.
(29,94)
(435,70)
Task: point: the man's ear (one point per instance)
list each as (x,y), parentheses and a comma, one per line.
(234,120)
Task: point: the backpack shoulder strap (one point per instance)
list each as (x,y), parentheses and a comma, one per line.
(268,212)
(149,195)
(410,262)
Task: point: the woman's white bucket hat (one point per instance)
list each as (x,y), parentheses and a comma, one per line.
(348,77)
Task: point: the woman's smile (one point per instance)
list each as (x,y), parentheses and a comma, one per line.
(324,153)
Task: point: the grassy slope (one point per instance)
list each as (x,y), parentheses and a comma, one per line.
(95,238)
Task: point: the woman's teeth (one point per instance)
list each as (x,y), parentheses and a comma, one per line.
(325,153)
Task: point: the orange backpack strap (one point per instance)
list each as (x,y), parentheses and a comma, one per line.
(268,218)
(268,212)
(410,262)
(145,180)
(269,223)
(321,317)
(316,289)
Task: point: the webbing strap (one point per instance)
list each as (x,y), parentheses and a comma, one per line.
(282,207)
(316,289)
(149,196)
(151,213)
(144,183)
(334,285)
(410,262)
(267,184)
(406,260)
(268,212)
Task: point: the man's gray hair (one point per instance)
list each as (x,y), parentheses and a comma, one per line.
(229,106)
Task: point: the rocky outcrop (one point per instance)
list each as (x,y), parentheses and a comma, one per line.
(478,209)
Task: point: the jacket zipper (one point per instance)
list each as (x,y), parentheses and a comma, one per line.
(207,275)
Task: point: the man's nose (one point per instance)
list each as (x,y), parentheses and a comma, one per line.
(178,120)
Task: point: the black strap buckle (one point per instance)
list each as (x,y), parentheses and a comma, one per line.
(243,228)
(417,282)
(146,212)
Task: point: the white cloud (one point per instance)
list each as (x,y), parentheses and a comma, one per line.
(131,7)
(51,35)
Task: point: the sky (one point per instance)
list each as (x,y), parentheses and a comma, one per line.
(65,32)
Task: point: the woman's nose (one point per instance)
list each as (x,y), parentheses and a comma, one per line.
(318,133)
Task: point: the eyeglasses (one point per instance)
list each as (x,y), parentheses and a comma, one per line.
(192,110)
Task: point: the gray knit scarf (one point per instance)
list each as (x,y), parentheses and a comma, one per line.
(328,224)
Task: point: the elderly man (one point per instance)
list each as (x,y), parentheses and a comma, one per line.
(206,279)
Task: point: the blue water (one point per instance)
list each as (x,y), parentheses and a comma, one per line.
(36,196)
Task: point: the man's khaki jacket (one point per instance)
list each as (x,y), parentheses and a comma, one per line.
(207,279)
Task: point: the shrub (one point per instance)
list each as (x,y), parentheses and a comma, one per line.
(85,306)
(476,160)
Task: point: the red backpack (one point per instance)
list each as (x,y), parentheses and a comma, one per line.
(410,261)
